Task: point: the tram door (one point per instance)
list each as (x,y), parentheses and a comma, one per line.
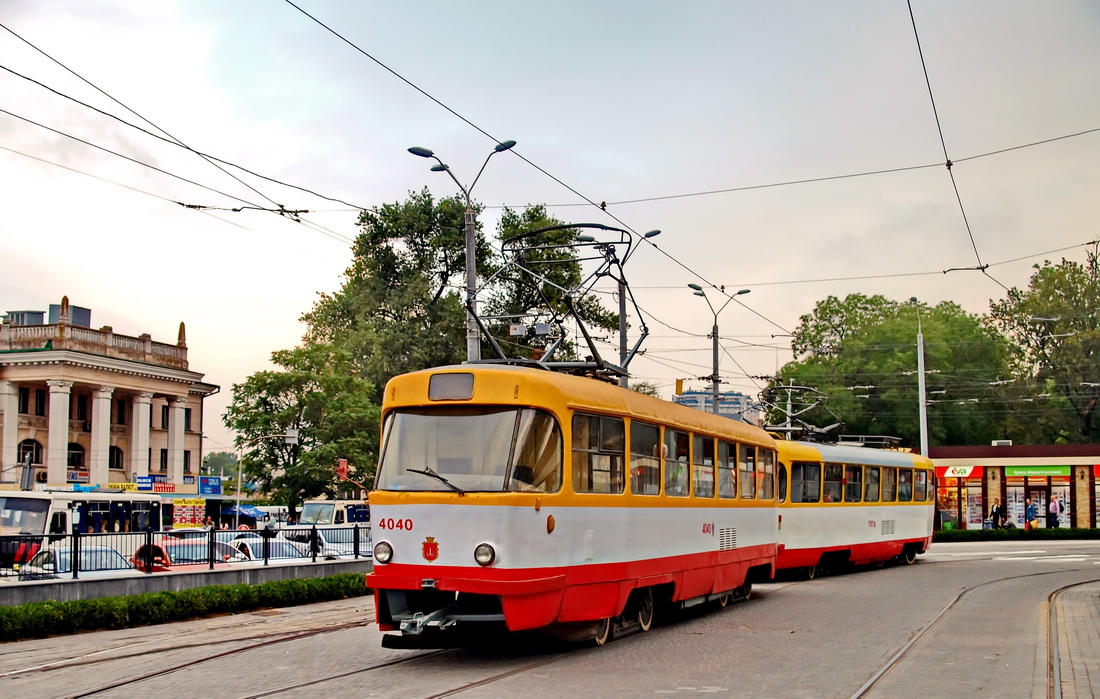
(1039,497)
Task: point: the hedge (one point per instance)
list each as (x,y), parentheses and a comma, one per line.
(41,619)
(1014,534)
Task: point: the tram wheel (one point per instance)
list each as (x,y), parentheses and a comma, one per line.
(605,631)
(909,555)
(724,600)
(645,610)
(810,572)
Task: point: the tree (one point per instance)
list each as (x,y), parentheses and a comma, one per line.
(647,388)
(321,393)
(549,255)
(399,309)
(861,352)
(220,463)
(1055,326)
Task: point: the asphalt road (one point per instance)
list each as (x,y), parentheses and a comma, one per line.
(972,619)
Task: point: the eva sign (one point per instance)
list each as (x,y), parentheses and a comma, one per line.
(959,471)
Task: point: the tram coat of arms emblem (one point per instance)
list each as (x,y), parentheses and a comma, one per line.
(430,549)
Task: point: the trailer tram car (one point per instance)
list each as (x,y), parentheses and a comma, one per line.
(516,498)
(846,505)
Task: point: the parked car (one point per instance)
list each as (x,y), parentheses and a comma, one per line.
(185,554)
(332,542)
(278,551)
(95,562)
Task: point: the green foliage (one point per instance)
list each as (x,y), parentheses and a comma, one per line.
(645,387)
(861,352)
(41,619)
(321,393)
(1055,324)
(220,463)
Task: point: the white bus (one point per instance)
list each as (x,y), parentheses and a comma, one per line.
(330,513)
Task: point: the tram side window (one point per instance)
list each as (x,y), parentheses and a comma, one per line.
(645,461)
(805,482)
(537,461)
(853,483)
(920,486)
(871,484)
(765,471)
(833,475)
(747,464)
(889,484)
(676,462)
(727,470)
(905,485)
(598,444)
(702,471)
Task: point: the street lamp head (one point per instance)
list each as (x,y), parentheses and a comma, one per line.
(695,286)
(422,152)
(439,168)
(651,234)
(585,239)
(504,145)
(743,291)
(699,293)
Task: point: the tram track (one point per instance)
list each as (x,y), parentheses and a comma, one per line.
(1053,652)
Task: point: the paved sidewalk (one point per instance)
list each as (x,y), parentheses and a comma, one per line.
(1078,610)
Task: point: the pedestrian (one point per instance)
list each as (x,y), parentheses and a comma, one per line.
(1030,515)
(1055,511)
(997,514)
(209,523)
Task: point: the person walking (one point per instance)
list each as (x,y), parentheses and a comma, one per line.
(1030,513)
(997,514)
(1055,511)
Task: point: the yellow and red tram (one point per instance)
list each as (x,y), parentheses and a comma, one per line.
(523,498)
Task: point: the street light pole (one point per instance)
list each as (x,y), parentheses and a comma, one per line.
(714,380)
(922,404)
(473,335)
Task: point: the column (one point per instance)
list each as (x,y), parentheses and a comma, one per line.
(9,453)
(99,459)
(57,446)
(139,437)
(176,405)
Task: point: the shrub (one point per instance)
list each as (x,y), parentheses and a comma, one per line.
(41,619)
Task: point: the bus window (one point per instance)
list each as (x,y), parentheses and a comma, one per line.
(834,473)
(889,484)
(905,485)
(676,459)
(853,483)
(920,485)
(727,470)
(702,472)
(805,482)
(765,470)
(747,466)
(598,444)
(645,461)
(871,484)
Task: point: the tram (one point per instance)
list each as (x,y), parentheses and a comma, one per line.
(517,498)
(847,505)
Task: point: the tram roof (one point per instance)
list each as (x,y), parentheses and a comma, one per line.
(850,455)
(536,387)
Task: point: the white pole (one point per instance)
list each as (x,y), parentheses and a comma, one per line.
(922,403)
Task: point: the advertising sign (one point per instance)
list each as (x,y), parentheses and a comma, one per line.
(144,482)
(159,487)
(1037,470)
(210,485)
(188,513)
(77,476)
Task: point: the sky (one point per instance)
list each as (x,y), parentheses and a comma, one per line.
(795,149)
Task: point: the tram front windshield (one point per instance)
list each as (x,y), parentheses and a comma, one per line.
(23,515)
(471,449)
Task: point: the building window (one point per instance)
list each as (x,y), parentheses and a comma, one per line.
(187,462)
(40,402)
(115,458)
(187,419)
(163,459)
(24,400)
(80,405)
(164,417)
(32,447)
(76,455)
(120,411)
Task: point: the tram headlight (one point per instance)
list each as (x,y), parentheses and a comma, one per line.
(485,554)
(383,552)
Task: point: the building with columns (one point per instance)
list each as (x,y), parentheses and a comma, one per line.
(93,407)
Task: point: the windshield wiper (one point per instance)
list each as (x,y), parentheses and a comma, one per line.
(429,472)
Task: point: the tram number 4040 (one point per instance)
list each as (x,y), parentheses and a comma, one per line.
(391,523)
